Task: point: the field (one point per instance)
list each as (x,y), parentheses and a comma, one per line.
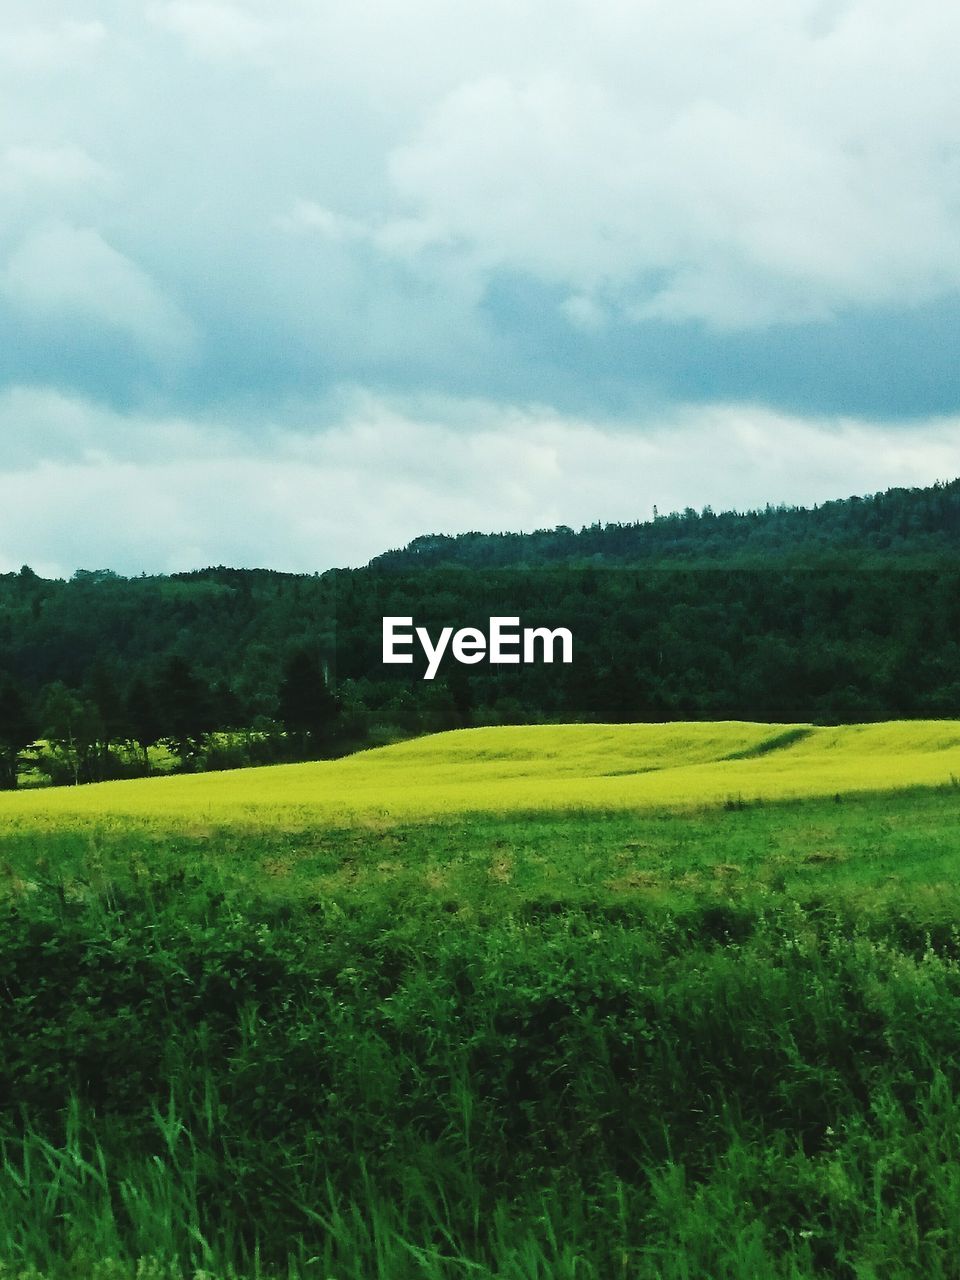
(582,1002)
(540,769)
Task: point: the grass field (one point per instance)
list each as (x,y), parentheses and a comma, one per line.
(527,769)
(652,1002)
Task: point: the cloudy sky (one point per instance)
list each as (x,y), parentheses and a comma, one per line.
(286,283)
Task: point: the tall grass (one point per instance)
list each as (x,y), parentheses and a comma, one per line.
(551,1074)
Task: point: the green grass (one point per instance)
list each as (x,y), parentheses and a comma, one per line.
(888,852)
(721,1040)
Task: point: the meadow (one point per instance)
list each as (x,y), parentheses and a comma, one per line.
(582,1002)
(534,768)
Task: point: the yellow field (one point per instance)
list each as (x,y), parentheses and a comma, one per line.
(545,768)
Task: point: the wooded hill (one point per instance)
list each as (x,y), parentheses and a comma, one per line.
(846,612)
(920,524)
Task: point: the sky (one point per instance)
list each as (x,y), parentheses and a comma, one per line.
(287,284)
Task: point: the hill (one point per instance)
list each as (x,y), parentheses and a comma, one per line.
(547,769)
(849,612)
(917,522)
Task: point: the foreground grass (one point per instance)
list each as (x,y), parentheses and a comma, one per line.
(543,768)
(889,853)
(723,1043)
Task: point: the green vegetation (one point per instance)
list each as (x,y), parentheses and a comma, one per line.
(566,1001)
(521,769)
(847,613)
(918,524)
(644,1043)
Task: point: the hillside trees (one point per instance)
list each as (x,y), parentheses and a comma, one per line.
(306,707)
(184,707)
(17,730)
(143,720)
(72,726)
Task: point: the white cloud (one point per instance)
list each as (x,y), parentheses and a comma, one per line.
(34,48)
(25,167)
(41,425)
(741,206)
(584,312)
(216,31)
(740,164)
(382,472)
(399,238)
(307,216)
(69,272)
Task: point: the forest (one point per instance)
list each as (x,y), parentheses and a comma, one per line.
(847,612)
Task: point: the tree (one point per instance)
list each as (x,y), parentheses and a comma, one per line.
(458,682)
(143,719)
(103,689)
(72,724)
(184,708)
(306,707)
(17,731)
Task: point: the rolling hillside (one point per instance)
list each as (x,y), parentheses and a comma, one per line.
(528,768)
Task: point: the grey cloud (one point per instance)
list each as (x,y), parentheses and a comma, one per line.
(62,270)
(217,214)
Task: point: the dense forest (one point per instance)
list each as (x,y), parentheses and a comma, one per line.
(846,612)
(919,524)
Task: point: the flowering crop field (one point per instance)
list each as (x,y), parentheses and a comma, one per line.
(545,769)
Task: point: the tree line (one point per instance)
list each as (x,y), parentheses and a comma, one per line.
(921,524)
(106,729)
(855,618)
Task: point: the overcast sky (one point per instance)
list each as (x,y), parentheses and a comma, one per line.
(289,283)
